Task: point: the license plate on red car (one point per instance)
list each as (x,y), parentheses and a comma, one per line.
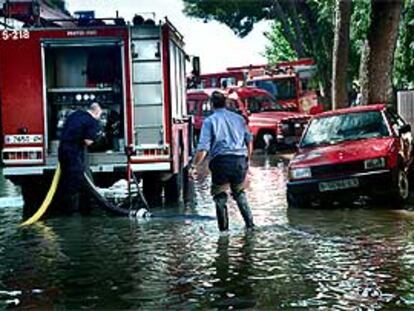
(339,184)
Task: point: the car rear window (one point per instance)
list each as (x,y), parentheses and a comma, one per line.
(345,127)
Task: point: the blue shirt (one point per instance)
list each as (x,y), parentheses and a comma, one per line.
(224,133)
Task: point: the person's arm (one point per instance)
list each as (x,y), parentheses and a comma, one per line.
(88,142)
(91,133)
(199,157)
(250,149)
(248,139)
(204,144)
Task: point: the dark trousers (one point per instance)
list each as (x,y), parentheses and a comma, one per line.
(229,171)
(73,183)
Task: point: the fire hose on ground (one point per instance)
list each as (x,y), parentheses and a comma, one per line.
(46,202)
(105,204)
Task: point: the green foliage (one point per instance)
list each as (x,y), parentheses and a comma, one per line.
(58,4)
(404,55)
(305,28)
(360,21)
(278,48)
(239,15)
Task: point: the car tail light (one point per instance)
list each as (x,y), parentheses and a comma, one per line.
(27,155)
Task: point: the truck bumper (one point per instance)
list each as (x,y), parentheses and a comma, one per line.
(104,168)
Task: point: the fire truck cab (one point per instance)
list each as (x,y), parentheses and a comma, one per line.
(136,72)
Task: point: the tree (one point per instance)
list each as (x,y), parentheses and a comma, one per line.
(404,54)
(279,48)
(57,4)
(382,39)
(304,25)
(340,54)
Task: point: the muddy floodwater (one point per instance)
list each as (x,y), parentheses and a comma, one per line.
(349,258)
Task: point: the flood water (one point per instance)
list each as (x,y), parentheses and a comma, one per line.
(348,258)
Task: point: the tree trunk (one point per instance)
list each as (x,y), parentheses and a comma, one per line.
(319,43)
(294,41)
(382,39)
(340,54)
(363,74)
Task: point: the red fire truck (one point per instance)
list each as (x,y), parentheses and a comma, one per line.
(288,82)
(136,72)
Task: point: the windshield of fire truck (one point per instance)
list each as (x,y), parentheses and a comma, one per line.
(262,103)
(280,88)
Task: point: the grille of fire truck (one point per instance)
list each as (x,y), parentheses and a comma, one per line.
(27,155)
(147,87)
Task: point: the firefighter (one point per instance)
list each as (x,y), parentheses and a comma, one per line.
(227,141)
(80,130)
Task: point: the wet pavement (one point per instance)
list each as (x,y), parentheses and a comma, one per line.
(348,258)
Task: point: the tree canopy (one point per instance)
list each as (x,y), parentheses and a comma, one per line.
(305,28)
(301,28)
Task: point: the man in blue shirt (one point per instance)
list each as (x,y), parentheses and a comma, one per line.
(227,141)
(80,130)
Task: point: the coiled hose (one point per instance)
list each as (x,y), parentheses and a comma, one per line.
(102,202)
(115,209)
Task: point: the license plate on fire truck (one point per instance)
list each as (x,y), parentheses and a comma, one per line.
(339,184)
(23,139)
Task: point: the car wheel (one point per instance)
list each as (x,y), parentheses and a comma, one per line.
(401,189)
(297,201)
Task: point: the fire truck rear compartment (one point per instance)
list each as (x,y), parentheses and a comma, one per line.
(77,76)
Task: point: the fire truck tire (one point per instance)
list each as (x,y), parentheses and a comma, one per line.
(152,189)
(173,187)
(47,200)
(31,197)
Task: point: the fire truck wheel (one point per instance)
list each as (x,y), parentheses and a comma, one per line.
(152,189)
(173,187)
(33,192)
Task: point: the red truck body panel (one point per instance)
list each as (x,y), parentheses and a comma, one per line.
(23,95)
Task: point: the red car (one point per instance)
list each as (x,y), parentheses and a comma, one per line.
(346,153)
(270,123)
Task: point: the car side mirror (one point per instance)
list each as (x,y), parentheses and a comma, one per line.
(405,129)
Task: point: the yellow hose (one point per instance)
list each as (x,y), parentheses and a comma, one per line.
(46,202)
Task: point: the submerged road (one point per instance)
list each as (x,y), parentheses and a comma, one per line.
(348,258)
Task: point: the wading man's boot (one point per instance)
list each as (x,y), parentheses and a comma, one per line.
(244,208)
(221,210)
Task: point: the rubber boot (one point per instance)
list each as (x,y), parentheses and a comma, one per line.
(244,208)
(221,211)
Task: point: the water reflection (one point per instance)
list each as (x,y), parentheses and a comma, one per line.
(346,258)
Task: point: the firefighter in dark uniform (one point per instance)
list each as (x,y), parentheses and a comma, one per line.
(80,130)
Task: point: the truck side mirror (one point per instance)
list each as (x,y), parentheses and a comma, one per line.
(196,66)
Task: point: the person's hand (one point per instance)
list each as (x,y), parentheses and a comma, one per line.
(192,171)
